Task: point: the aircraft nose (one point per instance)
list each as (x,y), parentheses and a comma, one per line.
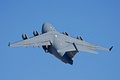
(47,27)
(46,24)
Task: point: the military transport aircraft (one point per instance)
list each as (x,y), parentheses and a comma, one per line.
(61,45)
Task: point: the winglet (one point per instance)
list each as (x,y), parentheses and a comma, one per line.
(9,44)
(110,48)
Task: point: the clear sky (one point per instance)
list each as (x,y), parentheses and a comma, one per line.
(97,21)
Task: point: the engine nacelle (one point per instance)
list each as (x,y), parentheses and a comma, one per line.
(45,48)
(35,33)
(24,36)
(80,38)
(65,33)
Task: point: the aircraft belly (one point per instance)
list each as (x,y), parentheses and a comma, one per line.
(65,58)
(53,51)
(59,44)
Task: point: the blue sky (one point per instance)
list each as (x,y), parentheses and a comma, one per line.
(97,21)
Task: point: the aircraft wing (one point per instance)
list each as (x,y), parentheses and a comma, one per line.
(43,39)
(78,45)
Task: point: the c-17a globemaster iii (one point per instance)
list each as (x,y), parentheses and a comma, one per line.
(61,45)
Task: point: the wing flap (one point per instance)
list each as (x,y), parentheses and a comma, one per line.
(43,39)
(26,44)
(83,46)
(79,48)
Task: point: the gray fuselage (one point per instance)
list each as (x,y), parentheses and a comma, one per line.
(56,44)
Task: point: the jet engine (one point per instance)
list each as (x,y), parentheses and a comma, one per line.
(65,33)
(24,36)
(46,48)
(80,38)
(35,33)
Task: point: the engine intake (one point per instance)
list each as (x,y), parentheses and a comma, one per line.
(80,38)
(65,33)
(24,36)
(35,33)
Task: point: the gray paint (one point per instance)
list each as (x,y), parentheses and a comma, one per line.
(60,45)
